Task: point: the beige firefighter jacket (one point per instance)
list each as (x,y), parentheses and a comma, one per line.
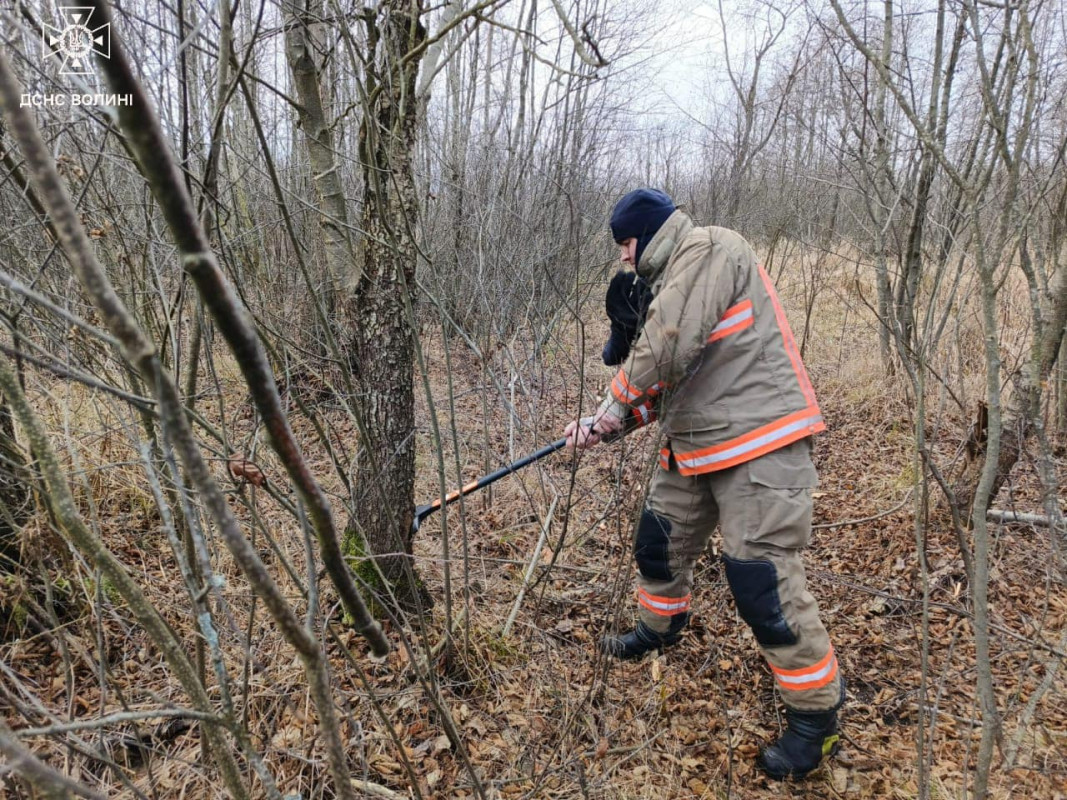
(716,355)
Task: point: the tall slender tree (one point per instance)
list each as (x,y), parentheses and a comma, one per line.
(380,313)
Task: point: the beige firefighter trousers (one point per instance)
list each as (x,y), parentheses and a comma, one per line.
(764,508)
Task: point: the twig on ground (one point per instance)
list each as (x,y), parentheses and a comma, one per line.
(376,790)
(960,612)
(893,510)
(1017,517)
(118,718)
(1052,668)
(38,773)
(532,566)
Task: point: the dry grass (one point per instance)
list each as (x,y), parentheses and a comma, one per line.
(541,715)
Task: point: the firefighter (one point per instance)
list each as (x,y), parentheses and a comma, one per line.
(717,361)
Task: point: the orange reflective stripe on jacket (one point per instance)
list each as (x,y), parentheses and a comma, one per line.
(788,340)
(623,391)
(644,414)
(626,393)
(813,677)
(752,445)
(736,318)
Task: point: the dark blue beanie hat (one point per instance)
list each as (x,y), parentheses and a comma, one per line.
(639,214)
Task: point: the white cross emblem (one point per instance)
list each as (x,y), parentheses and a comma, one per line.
(75,42)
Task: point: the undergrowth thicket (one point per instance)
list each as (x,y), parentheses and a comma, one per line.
(540,713)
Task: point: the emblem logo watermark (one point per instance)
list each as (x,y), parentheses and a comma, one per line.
(73,46)
(74,43)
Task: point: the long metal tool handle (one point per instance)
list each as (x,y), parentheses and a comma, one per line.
(424,511)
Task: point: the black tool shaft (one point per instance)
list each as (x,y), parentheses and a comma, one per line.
(424,511)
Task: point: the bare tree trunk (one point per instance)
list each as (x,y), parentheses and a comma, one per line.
(880,205)
(1024,403)
(14,490)
(381,312)
(937,124)
(980,590)
(303,23)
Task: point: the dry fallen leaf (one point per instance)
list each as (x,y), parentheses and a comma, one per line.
(242,468)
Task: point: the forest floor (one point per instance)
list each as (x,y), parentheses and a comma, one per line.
(539,713)
(549,717)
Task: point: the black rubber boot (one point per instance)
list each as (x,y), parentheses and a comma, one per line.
(810,737)
(640,640)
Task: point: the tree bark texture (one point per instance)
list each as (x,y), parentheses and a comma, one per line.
(1024,406)
(14,491)
(381,311)
(303,18)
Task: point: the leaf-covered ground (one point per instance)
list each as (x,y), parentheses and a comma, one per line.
(538,712)
(688,724)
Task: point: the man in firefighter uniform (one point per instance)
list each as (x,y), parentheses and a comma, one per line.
(717,361)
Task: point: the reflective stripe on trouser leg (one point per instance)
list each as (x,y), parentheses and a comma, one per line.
(671,534)
(806,673)
(765,507)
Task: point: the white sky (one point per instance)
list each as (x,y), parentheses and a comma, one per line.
(686,64)
(688,47)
